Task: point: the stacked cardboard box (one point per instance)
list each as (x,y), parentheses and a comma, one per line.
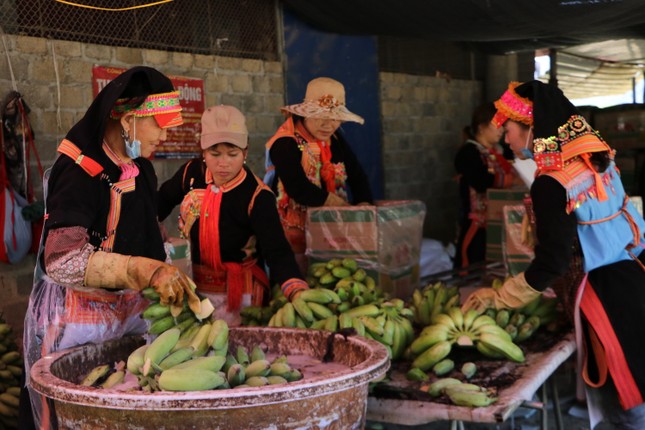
(385,239)
(497,199)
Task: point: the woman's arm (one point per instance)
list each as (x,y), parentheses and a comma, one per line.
(171,193)
(556,233)
(272,243)
(287,157)
(469,164)
(356,178)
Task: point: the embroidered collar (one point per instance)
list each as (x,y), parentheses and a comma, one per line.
(237,180)
(128,170)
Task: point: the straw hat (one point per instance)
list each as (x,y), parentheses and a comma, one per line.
(324,99)
(223,124)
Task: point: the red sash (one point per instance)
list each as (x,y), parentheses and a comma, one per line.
(607,351)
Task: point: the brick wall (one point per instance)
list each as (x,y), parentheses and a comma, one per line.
(422,121)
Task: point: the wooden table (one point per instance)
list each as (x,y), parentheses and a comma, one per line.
(533,374)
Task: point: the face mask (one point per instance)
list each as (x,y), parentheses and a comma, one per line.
(132,148)
(526,152)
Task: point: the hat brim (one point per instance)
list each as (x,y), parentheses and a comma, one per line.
(169,119)
(314,110)
(238,139)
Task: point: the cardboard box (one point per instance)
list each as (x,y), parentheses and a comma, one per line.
(178,250)
(497,199)
(384,239)
(517,255)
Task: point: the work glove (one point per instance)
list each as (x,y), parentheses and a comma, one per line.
(112,270)
(515,293)
(335,200)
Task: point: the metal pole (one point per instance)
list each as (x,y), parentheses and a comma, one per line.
(634,90)
(553,72)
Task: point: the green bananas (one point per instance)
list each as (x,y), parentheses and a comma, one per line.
(522,323)
(430,350)
(461,393)
(10,373)
(193,360)
(432,300)
(161,317)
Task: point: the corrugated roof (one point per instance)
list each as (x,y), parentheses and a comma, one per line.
(599,69)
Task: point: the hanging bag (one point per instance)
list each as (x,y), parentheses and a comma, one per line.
(14,229)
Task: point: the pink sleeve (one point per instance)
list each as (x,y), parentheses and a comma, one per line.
(67,251)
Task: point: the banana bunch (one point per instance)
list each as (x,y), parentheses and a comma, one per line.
(261,315)
(435,341)
(388,323)
(162,317)
(194,360)
(10,373)
(522,323)
(253,369)
(319,309)
(352,283)
(462,393)
(308,307)
(433,300)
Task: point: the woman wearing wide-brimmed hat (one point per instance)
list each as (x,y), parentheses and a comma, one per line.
(589,247)
(310,164)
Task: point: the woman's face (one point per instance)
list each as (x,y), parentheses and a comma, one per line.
(489,134)
(517,135)
(224,161)
(147,131)
(321,129)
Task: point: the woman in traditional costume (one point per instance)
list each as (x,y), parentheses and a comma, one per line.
(480,165)
(589,248)
(101,242)
(309,162)
(231,219)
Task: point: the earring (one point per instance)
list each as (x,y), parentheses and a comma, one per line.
(125,136)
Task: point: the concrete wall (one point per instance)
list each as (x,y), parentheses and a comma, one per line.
(422,121)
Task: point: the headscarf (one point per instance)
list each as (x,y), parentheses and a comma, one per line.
(135,83)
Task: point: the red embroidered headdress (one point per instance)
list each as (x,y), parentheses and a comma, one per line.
(514,107)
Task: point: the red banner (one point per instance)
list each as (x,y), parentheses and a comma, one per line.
(182,141)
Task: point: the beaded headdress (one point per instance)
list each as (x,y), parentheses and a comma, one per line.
(165,108)
(514,107)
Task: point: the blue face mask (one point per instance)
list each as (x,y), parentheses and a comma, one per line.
(133,148)
(526,152)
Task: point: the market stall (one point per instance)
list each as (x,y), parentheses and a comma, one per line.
(400,401)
